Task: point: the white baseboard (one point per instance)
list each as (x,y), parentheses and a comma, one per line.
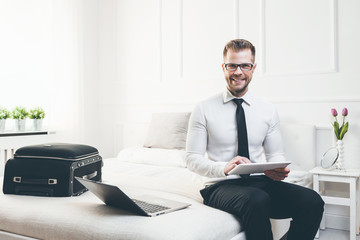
(337,222)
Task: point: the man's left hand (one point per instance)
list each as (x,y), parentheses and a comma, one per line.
(278,174)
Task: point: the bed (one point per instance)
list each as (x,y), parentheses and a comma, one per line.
(86,217)
(140,169)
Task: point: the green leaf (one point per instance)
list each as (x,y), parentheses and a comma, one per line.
(344,129)
(37,113)
(19,112)
(336,129)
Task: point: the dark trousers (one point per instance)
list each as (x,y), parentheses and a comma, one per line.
(256,199)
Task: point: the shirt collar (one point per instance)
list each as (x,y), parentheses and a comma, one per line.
(227,97)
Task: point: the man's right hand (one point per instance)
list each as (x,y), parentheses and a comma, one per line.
(234,162)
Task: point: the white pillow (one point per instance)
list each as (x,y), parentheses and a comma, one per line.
(299,145)
(167,130)
(153,156)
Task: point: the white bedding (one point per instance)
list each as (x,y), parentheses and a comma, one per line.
(86,217)
(151,171)
(139,177)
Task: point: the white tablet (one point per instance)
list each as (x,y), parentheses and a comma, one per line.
(249,168)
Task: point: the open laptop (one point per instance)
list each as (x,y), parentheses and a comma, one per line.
(144,205)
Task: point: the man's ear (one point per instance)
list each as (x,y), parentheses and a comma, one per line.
(254,67)
(223,67)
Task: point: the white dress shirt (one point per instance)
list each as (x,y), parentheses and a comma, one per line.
(213,131)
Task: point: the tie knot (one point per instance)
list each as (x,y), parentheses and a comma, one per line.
(238,101)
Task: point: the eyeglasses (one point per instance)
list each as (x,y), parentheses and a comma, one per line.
(243,66)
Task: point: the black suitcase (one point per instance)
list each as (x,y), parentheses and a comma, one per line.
(49,169)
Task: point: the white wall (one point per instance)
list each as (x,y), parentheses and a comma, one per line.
(80,60)
(25,53)
(94,64)
(49,58)
(167,55)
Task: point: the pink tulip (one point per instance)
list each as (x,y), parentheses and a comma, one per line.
(345,112)
(334,112)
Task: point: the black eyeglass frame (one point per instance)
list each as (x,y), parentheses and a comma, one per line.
(240,66)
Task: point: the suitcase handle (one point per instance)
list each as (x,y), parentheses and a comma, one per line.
(49,181)
(91,175)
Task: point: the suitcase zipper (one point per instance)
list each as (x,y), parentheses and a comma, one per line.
(59,158)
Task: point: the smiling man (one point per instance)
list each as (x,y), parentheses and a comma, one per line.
(238,76)
(234,128)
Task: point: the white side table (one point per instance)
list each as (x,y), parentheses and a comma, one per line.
(350,176)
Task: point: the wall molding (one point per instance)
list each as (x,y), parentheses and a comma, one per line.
(263,37)
(315,100)
(334,63)
(161,52)
(237,18)
(181,34)
(275,101)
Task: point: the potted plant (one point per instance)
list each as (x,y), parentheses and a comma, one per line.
(19,114)
(37,114)
(4,114)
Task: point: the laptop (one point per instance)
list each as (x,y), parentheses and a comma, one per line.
(144,205)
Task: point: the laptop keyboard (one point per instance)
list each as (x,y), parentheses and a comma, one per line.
(148,207)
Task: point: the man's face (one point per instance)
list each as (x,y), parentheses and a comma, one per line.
(238,80)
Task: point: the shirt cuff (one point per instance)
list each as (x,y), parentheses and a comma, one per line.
(219,169)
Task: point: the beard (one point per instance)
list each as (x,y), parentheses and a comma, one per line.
(238,86)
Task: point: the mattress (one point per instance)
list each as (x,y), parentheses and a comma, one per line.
(86,217)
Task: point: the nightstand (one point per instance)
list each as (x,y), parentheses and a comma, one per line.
(350,176)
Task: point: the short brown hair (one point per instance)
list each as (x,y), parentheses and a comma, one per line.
(239,44)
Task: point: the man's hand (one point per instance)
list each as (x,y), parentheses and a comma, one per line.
(278,174)
(234,162)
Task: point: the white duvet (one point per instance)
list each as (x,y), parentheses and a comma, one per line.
(136,170)
(86,217)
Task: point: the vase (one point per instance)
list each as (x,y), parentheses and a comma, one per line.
(2,125)
(340,161)
(20,125)
(37,124)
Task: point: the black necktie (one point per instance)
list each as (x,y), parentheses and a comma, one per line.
(243,148)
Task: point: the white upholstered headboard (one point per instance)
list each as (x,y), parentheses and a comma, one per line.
(304,144)
(299,141)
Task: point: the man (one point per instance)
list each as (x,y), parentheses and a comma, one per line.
(215,129)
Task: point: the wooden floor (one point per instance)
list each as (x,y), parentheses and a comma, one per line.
(332,234)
